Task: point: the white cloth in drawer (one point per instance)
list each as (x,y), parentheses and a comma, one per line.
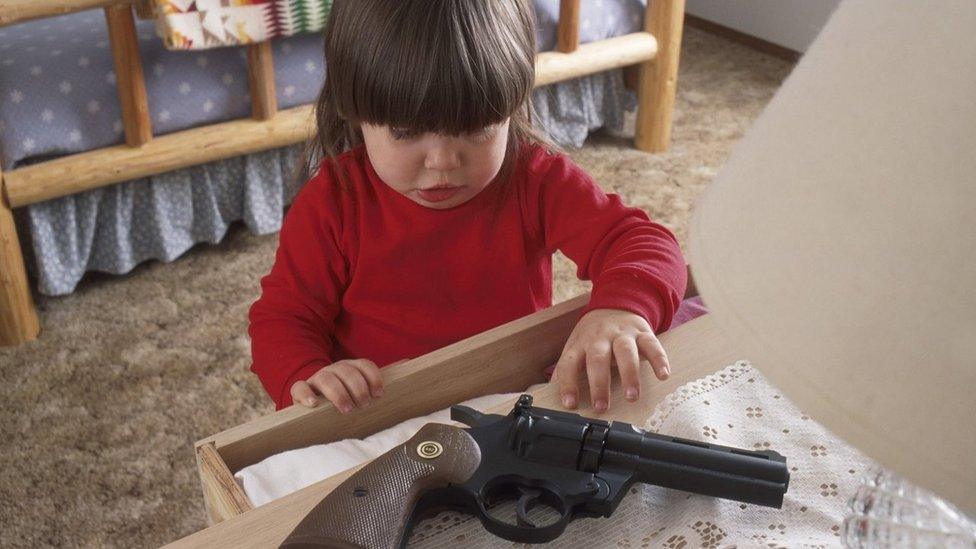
(284,473)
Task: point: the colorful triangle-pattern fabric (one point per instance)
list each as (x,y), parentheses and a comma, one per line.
(205,24)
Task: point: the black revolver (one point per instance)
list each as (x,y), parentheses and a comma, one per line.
(550,464)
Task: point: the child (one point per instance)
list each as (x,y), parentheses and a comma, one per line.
(435,210)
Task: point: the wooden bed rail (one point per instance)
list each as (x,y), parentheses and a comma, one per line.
(94,169)
(17,11)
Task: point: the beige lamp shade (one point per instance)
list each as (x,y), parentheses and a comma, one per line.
(838,244)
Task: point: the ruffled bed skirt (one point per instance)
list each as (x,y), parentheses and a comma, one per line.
(115,228)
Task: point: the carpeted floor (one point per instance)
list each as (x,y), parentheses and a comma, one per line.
(100,414)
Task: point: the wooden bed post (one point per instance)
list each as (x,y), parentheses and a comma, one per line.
(567,32)
(659,77)
(144,9)
(260,79)
(18,318)
(128,74)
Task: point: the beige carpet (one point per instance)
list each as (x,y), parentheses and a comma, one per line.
(99,416)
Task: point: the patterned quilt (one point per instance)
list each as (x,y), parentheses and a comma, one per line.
(204,24)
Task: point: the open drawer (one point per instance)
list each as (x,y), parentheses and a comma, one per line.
(508,358)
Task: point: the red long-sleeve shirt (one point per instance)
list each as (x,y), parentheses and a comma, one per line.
(364,272)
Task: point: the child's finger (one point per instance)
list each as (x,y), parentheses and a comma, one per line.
(567,368)
(355,383)
(598,359)
(371,373)
(652,350)
(628,363)
(301,393)
(326,383)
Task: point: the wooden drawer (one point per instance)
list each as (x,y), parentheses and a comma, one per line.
(508,358)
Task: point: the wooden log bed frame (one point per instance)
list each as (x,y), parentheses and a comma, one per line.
(651,56)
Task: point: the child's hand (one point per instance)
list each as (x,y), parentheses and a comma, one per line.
(345,383)
(601,337)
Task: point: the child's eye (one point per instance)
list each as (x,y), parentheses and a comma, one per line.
(400,133)
(483,134)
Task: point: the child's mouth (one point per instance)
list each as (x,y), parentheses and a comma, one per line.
(438,194)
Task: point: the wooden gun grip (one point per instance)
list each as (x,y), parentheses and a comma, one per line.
(371,508)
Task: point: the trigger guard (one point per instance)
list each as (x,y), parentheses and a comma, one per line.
(522,508)
(524,531)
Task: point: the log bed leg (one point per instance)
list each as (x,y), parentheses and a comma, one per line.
(18,318)
(659,76)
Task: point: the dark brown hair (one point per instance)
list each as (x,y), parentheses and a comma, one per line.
(444,66)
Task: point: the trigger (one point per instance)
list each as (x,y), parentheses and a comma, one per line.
(525,503)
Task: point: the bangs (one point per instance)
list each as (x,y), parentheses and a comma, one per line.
(443,66)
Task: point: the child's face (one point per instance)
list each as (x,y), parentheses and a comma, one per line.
(434,170)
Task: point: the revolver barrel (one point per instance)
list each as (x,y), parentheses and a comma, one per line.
(748,476)
(621,450)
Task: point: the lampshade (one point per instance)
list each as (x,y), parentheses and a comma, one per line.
(838,244)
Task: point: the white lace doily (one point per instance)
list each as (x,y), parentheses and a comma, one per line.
(734,407)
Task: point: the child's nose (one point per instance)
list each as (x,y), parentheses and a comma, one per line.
(442,157)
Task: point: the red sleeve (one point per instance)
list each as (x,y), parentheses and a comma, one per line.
(292,323)
(635,265)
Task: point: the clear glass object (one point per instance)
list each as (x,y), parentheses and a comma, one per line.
(888,511)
